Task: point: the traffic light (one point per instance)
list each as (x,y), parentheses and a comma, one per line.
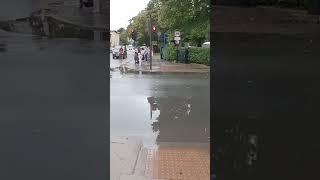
(154,28)
(134,35)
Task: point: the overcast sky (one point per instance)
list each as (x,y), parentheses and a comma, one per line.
(121,11)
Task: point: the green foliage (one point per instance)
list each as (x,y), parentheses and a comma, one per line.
(142,39)
(123,36)
(170,53)
(190,17)
(121,30)
(199,55)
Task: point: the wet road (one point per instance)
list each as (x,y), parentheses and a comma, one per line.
(52,108)
(161,109)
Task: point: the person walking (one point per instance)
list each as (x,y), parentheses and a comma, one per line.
(142,53)
(146,54)
(139,54)
(121,53)
(136,57)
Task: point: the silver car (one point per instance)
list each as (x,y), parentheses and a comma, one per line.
(115,52)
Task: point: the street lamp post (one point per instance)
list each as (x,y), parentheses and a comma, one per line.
(151,49)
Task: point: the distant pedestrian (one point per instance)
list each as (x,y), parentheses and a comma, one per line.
(146,54)
(121,53)
(142,53)
(139,54)
(136,57)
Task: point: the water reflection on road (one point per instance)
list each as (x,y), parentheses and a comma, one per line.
(161,109)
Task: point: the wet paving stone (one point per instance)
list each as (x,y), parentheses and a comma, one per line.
(178,163)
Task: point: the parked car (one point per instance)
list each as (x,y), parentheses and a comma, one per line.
(115,52)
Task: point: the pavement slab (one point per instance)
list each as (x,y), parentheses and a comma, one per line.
(126,158)
(184,163)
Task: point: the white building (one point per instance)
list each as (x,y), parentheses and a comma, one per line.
(114,38)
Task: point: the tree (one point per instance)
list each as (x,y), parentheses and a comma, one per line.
(121,30)
(190,17)
(123,35)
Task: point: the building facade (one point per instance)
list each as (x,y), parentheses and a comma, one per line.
(114,38)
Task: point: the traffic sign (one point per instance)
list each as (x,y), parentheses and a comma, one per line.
(177,38)
(177,33)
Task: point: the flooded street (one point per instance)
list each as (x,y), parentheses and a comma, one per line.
(170,112)
(175,106)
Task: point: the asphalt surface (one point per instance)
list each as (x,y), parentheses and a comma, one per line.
(180,114)
(53,110)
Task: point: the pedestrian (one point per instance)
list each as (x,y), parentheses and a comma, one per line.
(121,53)
(146,54)
(136,57)
(142,53)
(125,52)
(139,54)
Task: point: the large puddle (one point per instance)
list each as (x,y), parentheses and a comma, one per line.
(171,114)
(166,109)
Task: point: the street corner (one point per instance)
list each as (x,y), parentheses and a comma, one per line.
(124,155)
(140,168)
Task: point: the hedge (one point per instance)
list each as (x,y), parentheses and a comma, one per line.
(170,53)
(199,55)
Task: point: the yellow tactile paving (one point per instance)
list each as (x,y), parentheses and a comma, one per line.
(178,163)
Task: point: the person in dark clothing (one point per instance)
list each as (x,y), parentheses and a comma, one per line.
(136,57)
(121,53)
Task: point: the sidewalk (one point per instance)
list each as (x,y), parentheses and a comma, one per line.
(162,66)
(127,158)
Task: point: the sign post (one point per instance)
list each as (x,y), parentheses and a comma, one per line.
(177,39)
